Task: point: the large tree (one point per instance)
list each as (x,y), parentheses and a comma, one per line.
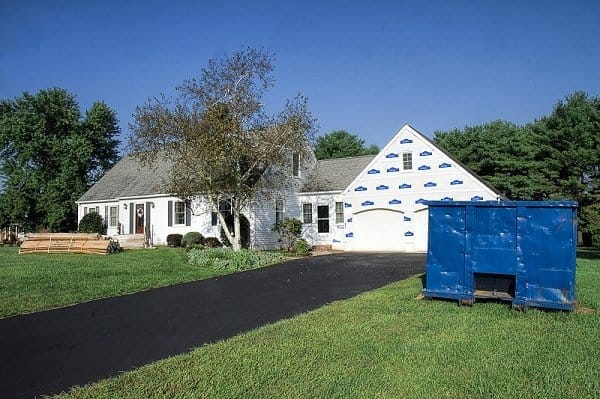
(340,144)
(555,157)
(49,156)
(509,157)
(222,144)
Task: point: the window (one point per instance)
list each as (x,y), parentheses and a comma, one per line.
(323,219)
(407,160)
(112,216)
(213,218)
(296,164)
(278,211)
(91,210)
(307,213)
(339,212)
(179,212)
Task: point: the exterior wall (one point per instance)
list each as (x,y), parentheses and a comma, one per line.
(385,185)
(336,235)
(262,219)
(200,220)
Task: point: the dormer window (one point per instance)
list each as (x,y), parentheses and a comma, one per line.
(296,164)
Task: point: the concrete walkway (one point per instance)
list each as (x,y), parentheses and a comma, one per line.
(48,352)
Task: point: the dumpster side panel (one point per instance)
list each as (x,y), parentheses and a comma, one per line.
(446,254)
(549,241)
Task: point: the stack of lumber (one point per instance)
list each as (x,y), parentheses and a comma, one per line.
(80,243)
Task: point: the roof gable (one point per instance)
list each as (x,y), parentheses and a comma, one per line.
(428,159)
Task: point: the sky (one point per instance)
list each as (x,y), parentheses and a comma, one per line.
(367,67)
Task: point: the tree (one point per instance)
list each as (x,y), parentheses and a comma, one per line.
(340,144)
(49,156)
(555,157)
(509,157)
(219,139)
(572,133)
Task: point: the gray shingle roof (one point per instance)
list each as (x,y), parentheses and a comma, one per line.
(129,178)
(335,174)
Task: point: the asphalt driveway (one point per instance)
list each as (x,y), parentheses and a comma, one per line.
(48,352)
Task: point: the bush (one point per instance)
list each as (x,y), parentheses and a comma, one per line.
(174,240)
(227,259)
(91,223)
(212,242)
(301,247)
(192,239)
(289,230)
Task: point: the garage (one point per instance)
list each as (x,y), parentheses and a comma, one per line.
(379,230)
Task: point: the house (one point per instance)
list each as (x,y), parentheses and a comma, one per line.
(364,203)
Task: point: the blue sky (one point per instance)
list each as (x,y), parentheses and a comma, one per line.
(367,67)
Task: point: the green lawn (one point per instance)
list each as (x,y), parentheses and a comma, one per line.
(34,282)
(389,344)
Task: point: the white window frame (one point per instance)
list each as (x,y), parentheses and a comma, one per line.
(279,210)
(407,158)
(176,212)
(307,216)
(113,220)
(319,219)
(339,212)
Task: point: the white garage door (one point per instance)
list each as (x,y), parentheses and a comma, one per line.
(379,230)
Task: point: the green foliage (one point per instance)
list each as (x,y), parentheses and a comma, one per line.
(556,157)
(49,156)
(91,223)
(192,238)
(219,137)
(301,247)
(212,242)
(340,144)
(289,230)
(227,259)
(174,240)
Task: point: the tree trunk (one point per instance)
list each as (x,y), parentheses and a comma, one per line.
(236,244)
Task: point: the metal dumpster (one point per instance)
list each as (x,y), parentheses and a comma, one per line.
(518,251)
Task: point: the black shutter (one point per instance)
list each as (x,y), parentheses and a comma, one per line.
(148,207)
(188,215)
(131,218)
(170,214)
(106,215)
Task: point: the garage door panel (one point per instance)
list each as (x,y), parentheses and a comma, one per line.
(379,230)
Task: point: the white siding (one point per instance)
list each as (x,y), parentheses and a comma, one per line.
(335,237)
(385,185)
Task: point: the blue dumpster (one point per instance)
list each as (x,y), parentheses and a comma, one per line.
(518,251)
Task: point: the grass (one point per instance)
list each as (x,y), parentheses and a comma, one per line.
(34,282)
(389,344)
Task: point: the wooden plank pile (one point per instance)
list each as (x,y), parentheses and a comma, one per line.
(75,243)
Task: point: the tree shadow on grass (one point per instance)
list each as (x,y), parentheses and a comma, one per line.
(588,253)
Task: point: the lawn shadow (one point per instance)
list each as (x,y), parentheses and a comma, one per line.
(588,253)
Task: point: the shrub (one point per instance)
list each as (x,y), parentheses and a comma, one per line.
(289,230)
(227,259)
(193,238)
(174,240)
(91,223)
(301,247)
(212,242)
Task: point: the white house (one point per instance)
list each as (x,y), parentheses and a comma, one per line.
(365,203)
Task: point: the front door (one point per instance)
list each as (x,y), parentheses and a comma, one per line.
(139,218)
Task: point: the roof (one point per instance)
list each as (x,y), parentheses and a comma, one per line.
(129,178)
(335,174)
